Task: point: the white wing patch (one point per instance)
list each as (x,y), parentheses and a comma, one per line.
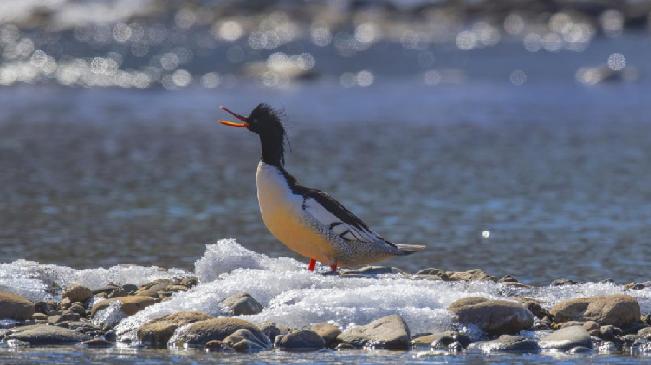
(330,224)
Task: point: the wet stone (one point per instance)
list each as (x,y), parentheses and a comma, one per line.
(492,316)
(152,289)
(78,308)
(561,282)
(13,306)
(189,281)
(645,333)
(328,332)
(77,293)
(156,333)
(41,307)
(242,304)
(390,332)
(507,343)
(371,271)
(198,333)
(302,340)
(65,317)
(566,339)
(618,310)
(272,330)
(39,317)
(244,340)
(130,305)
(98,342)
(42,334)
(214,346)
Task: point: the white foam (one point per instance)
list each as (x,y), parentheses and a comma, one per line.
(37,281)
(294,297)
(290,294)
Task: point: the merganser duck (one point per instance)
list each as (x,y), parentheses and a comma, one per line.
(308,221)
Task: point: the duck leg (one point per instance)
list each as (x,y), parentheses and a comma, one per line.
(311,265)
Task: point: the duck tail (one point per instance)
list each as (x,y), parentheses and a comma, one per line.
(409,249)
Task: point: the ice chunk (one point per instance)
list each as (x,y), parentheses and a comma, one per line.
(109,316)
(294,297)
(228,255)
(37,281)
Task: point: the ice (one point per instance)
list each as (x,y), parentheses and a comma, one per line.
(109,316)
(38,282)
(294,297)
(290,294)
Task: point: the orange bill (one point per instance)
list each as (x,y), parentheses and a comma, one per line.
(234,124)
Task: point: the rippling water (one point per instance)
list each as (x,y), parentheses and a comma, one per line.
(553,171)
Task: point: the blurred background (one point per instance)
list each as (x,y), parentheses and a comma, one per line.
(506,135)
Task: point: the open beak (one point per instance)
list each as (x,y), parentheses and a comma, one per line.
(244,120)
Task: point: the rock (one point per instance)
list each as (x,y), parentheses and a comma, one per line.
(13,306)
(110,291)
(507,343)
(66,317)
(130,305)
(244,340)
(618,310)
(39,317)
(77,293)
(97,342)
(152,289)
(65,303)
(198,333)
(328,332)
(609,347)
(492,316)
(189,281)
(41,307)
(469,275)
(534,307)
(634,286)
(609,332)
(441,340)
(214,346)
(129,288)
(157,332)
(42,334)
(566,339)
(558,326)
(345,346)
(455,347)
(628,340)
(561,282)
(580,350)
(424,340)
(302,340)
(645,333)
(371,271)
(272,330)
(390,332)
(591,326)
(242,304)
(433,273)
(78,308)
(176,288)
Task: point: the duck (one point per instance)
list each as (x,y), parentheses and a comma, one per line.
(308,221)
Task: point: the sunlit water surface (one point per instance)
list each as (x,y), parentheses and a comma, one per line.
(504,162)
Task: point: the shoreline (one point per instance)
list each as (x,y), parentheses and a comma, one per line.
(170,312)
